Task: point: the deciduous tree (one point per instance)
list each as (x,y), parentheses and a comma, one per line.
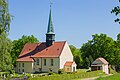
(116,11)
(76,56)
(99,46)
(4,16)
(19,44)
(5,50)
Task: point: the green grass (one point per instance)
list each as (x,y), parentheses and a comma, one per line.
(82,70)
(80,74)
(112,71)
(113,77)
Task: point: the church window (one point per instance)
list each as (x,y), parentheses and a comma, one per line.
(44,62)
(19,70)
(67,69)
(22,64)
(23,70)
(51,62)
(19,64)
(37,62)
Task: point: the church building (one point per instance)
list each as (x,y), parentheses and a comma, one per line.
(49,56)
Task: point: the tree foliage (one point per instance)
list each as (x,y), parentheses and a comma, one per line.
(90,59)
(19,44)
(76,56)
(5,43)
(101,46)
(5,50)
(117,53)
(73,48)
(4,16)
(87,63)
(116,11)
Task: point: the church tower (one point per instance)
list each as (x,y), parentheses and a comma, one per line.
(50,35)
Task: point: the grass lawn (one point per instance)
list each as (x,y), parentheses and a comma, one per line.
(82,70)
(80,74)
(113,77)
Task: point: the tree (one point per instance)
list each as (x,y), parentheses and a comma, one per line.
(117,53)
(99,46)
(5,50)
(87,63)
(19,44)
(72,48)
(4,16)
(5,43)
(90,59)
(76,56)
(116,11)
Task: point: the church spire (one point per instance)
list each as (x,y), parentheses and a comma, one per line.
(50,35)
(50,24)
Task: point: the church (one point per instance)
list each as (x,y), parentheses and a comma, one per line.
(49,56)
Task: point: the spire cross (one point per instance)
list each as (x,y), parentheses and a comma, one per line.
(51,3)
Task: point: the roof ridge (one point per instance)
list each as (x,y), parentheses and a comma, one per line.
(103,60)
(34,43)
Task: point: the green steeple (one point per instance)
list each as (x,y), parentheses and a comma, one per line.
(50,24)
(50,35)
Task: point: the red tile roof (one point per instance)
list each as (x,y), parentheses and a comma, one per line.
(39,50)
(25,59)
(68,63)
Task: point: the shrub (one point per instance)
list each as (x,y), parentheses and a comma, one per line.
(50,73)
(61,71)
(12,71)
(28,75)
(15,75)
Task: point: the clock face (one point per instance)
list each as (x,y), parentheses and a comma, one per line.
(50,37)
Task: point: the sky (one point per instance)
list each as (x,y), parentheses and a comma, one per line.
(74,21)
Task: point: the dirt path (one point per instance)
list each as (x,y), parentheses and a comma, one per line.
(93,78)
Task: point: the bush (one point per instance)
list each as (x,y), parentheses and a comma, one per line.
(28,75)
(12,71)
(50,73)
(61,71)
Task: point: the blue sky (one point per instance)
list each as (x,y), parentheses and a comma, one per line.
(74,20)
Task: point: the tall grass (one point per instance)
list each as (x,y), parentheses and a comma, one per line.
(77,75)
